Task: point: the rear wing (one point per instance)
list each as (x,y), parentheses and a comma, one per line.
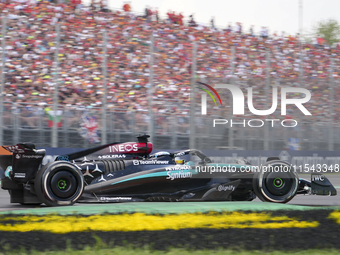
(25,161)
(20,148)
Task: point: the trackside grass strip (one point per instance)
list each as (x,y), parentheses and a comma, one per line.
(129,251)
(221,232)
(144,222)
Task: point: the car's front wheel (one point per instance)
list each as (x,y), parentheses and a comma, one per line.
(276,182)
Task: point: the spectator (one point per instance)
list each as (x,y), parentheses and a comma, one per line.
(192,23)
(76,4)
(228,29)
(104,6)
(212,23)
(251,31)
(93,5)
(147,12)
(264,33)
(157,16)
(27,117)
(127,7)
(31,47)
(180,19)
(238,28)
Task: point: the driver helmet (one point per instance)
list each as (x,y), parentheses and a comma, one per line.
(179,161)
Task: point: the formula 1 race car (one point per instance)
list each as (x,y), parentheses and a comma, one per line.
(122,172)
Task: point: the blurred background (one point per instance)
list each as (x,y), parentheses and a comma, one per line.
(78,73)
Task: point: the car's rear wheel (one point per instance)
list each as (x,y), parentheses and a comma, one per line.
(276,182)
(59,183)
(32,204)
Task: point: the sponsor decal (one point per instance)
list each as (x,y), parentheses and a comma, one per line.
(85,159)
(20,175)
(172,175)
(63,158)
(101,179)
(17,156)
(320,178)
(32,156)
(174,168)
(226,188)
(115,198)
(124,147)
(97,169)
(112,156)
(149,162)
(87,172)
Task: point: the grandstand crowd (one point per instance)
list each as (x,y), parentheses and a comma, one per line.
(31,46)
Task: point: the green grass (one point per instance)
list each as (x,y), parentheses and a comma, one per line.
(145,251)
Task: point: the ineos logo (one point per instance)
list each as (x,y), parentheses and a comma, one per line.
(124,147)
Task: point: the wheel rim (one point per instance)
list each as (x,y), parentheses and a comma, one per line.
(278,185)
(278,182)
(63,184)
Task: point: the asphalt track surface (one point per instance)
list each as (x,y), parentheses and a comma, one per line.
(306,200)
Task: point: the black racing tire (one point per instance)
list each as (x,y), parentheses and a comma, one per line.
(276,182)
(32,204)
(59,183)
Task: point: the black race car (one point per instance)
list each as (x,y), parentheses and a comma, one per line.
(122,172)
